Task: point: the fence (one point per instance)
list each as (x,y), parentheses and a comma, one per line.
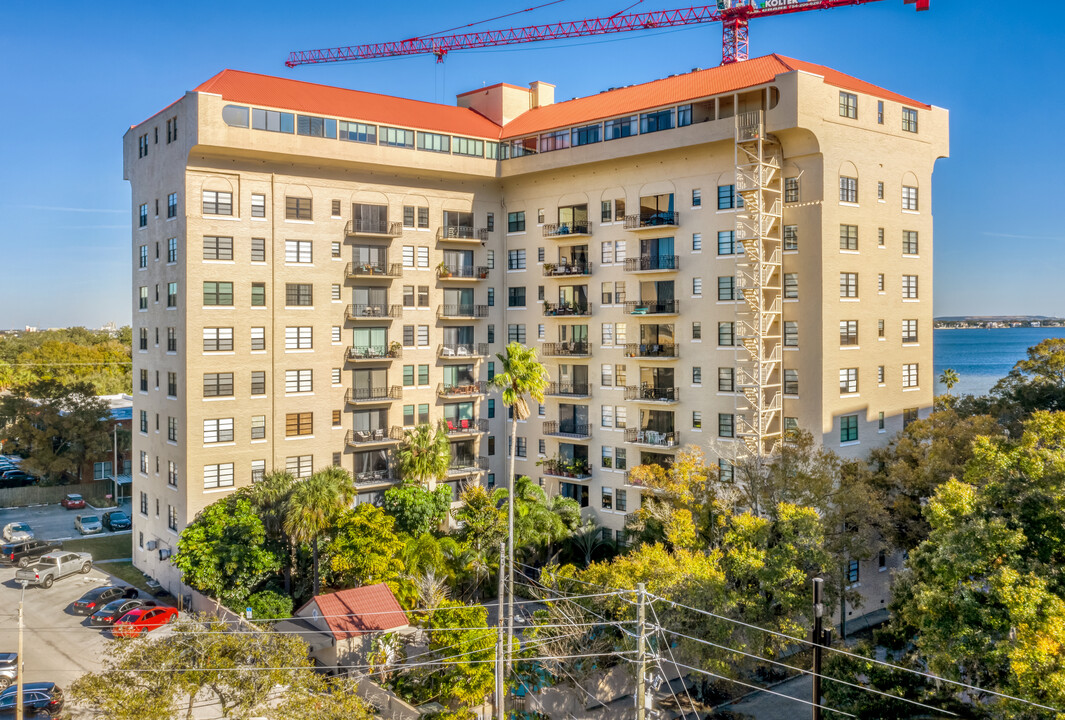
(95,493)
(387,704)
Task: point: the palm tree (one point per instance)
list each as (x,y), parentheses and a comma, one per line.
(424,456)
(270,497)
(314,507)
(587,539)
(949,378)
(521,377)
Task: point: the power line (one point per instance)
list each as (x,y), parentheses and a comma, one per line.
(658,626)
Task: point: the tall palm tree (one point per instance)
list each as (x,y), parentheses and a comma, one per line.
(424,456)
(588,539)
(270,497)
(521,377)
(949,378)
(314,507)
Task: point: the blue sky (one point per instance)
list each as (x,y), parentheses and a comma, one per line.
(74,80)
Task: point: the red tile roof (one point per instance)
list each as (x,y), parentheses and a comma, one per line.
(264,90)
(355,612)
(682,88)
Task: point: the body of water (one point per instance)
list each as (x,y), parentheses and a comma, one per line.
(982,357)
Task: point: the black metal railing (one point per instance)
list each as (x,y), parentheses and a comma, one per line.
(568,389)
(652,262)
(373,227)
(567,429)
(657,438)
(567,309)
(566,349)
(467,464)
(477,387)
(465,426)
(650,393)
(462,311)
(573,469)
(463,350)
(373,394)
(374,435)
(664,218)
(382,269)
(652,307)
(373,311)
(457,232)
(568,269)
(462,272)
(374,352)
(563,229)
(652,350)
(374,477)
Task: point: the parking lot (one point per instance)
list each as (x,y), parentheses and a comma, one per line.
(53,522)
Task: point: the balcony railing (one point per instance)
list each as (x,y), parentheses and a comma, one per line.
(567,309)
(663,219)
(655,438)
(374,436)
(466,426)
(652,350)
(373,312)
(566,349)
(565,229)
(650,393)
(479,387)
(374,352)
(557,389)
(462,350)
(466,464)
(373,227)
(458,232)
(652,307)
(363,270)
(573,469)
(649,263)
(567,429)
(567,269)
(462,311)
(373,394)
(462,272)
(374,477)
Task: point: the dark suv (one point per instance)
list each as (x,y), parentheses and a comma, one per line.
(40,699)
(23,552)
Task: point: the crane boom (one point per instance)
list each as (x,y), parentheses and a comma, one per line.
(733,14)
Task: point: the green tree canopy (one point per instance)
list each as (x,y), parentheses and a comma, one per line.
(68,356)
(365,549)
(417,509)
(424,455)
(1037,382)
(314,507)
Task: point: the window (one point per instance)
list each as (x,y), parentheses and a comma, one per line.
(258,470)
(848,189)
(297,251)
(216,476)
(848,381)
(697,420)
(655,121)
(880,237)
(423,375)
(791,333)
(217,248)
(142,146)
(301,466)
(358,132)
(258,338)
(848,237)
(258,249)
(697,242)
(516,221)
(909,331)
(490,259)
(727,199)
(408,336)
(408,376)
(217,203)
(608,333)
(725,287)
(516,333)
(218,293)
(848,332)
(171,473)
(909,198)
(335,209)
(909,375)
(848,285)
(258,206)
(619,378)
(791,190)
(171,339)
(725,334)
(848,428)
(909,120)
(909,242)
(299,424)
(516,297)
(423,335)
(848,105)
(880,191)
(298,294)
(515,259)
(423,257)
(522,447)
(171,295)
(880,282)
(726,242)
(607,375)
(608,293)
(298,381)
(909,287)
(490,222)
(144,338)
(620,127)
(791,426)
(880,374)
(697,286)
(218,384)
(791,285)
(297,208)
(171,384)
(607,416)
(697,197)
(726,425)
(171,250)
(852,572)
(142,220)
(423,218)
(791,237)
(144,380)
(218,430)
(880,328)
(334,293)
(880,112)
(171,205)
(144,421)
(697,330)
(298,338)
(791,382)
(434,142)
(258,427)
(909,415)
(258,294)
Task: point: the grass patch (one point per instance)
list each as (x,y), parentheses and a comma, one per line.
(125,571)
(111,547)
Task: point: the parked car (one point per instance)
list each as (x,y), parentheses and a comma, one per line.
(143,619)
(88,524)
(112,611)
(53,566)
(17,531)
(117,520)
(73,502)
(96,598)
(39,699)
(16,478)
(8,669)
(21,552)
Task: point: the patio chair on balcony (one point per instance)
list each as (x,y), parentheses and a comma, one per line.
(465,424)
(362,436)
(462,351)
(450,426)
(447,352)
(379,434)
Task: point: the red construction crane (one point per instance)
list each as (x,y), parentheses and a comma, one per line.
(732,14)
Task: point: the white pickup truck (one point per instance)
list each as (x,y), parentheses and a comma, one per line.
(54,566)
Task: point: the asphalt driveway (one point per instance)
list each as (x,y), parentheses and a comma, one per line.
(53,522)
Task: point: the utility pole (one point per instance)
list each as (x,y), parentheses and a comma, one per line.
(819,611)
(500,712)
(19,710)
(641,652)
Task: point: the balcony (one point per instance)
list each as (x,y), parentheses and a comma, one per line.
(652,307)
(652,438)
(567,349)
(461,312)
(462,351)
(373,228)
(376,436)
(652,394)
(461,233)
(652,263)
(653,351)
(373,477)
(567,269)
(465,426)
(471,389)
(570,469)
(563,230)
(567,309)
(664,219)
(355,396)
(370,270)
(461,272)
(374,352)
(467,465)
(373,312)
(567,429)
(578,390)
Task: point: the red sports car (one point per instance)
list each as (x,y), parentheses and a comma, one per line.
(73,502)
(143,619)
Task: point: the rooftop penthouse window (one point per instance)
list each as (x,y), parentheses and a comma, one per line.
(235,116)
(657,120)
(587,135)
(434,142)
(316,126)
(620,127)
(467,146)
(558,140)
(358,132)
(272,120)
(397,137)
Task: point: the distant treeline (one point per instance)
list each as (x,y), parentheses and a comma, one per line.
(69,355)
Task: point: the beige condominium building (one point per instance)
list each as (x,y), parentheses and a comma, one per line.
(708,259)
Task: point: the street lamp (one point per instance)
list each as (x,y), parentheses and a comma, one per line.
(19,710)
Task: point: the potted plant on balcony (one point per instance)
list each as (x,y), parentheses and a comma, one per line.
(442,270)
(483,273)
(579,466)
(394,348)
(549,268)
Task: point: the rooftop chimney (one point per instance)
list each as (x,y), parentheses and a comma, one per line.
(541,93)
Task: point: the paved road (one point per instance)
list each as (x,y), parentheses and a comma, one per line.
(51,522)
(764,706)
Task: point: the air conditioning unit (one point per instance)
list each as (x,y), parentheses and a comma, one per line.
(164,553)
(151,545)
